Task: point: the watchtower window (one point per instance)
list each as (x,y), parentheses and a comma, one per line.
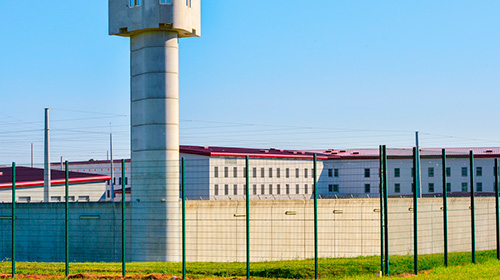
(188,3)
(134,3)
(166,2)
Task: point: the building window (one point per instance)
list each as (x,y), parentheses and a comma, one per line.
(296,173)
(262,189)
(305,189)
(166,2)
(254,171)
(216,189)
(108,193)
(336,172)
(271,172)
(430,172)
(120,181)
(397,187)
(330,172)
(262,172)
(397,172)
(305,172)
(226,189)
(216,172)
(448,187)
(270,189)
(135,3)
(55,198)
(333,188)
(464,171)
(235,172)
(431,187)
(297,189)
(24,199)
(126,180)
(244,172)
(479,187)
(84,198)
(287,188)
(278,175)
(448,171)
(367,172)
(464,186)
(287,173)
(479,171)
(226,172)
(367,187)
(235,189)
(244,189)
(254,189)
(278,189)
(71,198)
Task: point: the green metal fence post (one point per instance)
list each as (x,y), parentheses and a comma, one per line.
(497,213)
(445,207)
(416,187)
(123,220)
(386,210)
(247,197)
(316,272)
(66,218)
(183,187)
(472,206)
(381,192)
(13,220)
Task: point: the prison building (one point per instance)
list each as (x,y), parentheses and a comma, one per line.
(218,173)
(83,187)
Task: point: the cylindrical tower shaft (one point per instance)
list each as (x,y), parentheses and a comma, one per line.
(155,145)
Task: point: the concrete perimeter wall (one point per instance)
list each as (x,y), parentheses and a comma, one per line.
(280,229)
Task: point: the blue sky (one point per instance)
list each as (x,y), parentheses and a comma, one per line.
(287,74)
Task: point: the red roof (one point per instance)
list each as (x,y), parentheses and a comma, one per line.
(479,152)
(254,153)
(31,177)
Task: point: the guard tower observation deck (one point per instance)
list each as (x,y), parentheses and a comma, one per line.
(128,17)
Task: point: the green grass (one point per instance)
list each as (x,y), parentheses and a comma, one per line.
(431,267)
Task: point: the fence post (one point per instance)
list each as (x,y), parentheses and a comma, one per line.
(13,220)
(66,214)
(416,187)
(316,272)
(123,220)
(247,192)
(381,191)
(445,207)
(183,187)
(496,209)
(386,210)
(473,219)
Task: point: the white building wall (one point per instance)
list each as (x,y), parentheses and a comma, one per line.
(336,177)
(86,192)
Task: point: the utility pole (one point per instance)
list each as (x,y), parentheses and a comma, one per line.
(46,165)
(31,155)
(111,167)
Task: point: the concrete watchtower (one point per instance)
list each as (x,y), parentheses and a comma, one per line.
(154,27)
